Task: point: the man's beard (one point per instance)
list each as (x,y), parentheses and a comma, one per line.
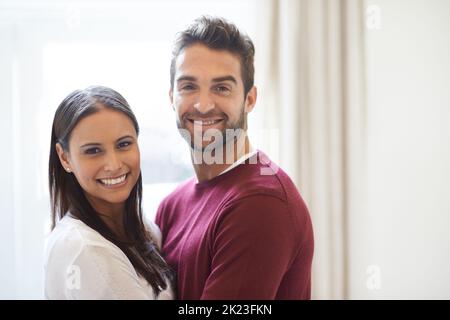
(231,132)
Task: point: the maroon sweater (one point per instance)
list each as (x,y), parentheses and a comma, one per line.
(240,235)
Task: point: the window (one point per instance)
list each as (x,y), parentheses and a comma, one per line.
(50,48)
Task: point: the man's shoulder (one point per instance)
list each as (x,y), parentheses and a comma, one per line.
(258,176)
(262,176)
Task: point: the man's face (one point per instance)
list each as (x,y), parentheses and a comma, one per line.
(208,93)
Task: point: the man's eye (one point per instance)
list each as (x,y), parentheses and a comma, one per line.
(187,87)
(92,151)
(222,89)
(124,144)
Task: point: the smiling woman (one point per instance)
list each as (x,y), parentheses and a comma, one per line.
(100,246)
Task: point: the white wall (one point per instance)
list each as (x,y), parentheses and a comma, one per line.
(403,232)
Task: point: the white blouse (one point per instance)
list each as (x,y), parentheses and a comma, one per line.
(82,264)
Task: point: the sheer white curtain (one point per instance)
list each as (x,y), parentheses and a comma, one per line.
(311,83)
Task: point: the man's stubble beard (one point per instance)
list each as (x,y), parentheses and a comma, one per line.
(232,133)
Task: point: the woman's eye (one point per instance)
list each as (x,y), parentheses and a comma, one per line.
(92,151)
(124,144)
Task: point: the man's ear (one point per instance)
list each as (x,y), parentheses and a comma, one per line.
(250,99)
(171,98)
(63,157)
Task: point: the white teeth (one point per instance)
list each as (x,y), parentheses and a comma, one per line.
(205,122)
(110,182)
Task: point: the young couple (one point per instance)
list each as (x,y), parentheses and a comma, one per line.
(238,230)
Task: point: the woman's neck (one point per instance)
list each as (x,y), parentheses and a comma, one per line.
(116,225)
(112,215)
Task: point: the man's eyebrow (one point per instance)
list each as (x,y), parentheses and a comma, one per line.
(225,78)
(215,80)
(96,144)
(186,78)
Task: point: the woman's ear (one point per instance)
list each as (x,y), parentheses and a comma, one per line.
(63,157)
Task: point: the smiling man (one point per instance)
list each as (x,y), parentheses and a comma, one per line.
(239,229)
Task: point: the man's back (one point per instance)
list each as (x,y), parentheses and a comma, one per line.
(240,235)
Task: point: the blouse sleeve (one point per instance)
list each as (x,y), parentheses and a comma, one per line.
(99,272)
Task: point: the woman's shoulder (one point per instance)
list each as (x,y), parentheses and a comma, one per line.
(75,251)
(72,229)
(71,236)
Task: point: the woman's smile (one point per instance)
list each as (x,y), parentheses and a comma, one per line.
(114,183)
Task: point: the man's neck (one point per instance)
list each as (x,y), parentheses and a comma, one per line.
(205,171)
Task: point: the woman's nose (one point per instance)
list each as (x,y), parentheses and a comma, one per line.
(113,162)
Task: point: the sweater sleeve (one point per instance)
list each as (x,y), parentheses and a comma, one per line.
(102,273)
(255,241)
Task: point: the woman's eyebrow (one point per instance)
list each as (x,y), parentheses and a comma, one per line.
(90,144)
(124,137)
(96,144)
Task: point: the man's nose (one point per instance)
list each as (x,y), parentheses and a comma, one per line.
(204,103)
(113,162)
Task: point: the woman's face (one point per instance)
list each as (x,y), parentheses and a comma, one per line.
(104,157)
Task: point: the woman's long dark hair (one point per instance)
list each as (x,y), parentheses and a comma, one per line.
(66,194)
